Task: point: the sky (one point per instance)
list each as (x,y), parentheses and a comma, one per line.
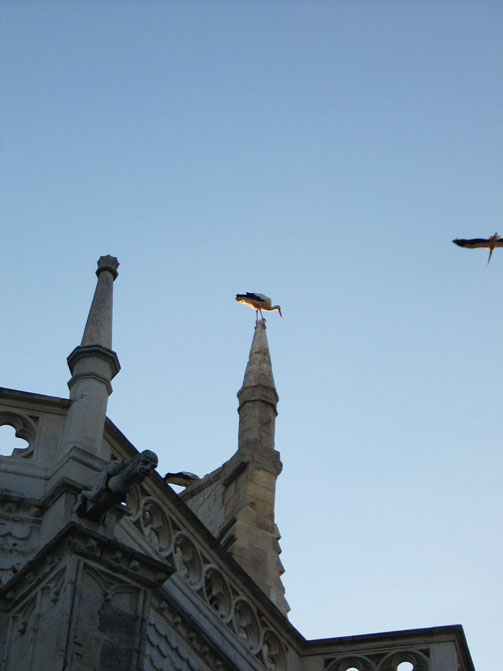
(325,154)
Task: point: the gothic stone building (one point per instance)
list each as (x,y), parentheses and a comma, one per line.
(105,568)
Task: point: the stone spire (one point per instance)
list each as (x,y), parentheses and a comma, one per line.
(255,535)
(93,364)
(258,398)
(236,502)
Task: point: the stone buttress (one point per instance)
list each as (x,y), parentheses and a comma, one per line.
(236,502)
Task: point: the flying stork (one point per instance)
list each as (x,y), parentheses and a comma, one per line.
(258,302)
(491,243)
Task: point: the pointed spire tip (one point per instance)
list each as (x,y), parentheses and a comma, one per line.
(259,368)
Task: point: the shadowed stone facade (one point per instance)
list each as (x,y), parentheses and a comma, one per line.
(103,567)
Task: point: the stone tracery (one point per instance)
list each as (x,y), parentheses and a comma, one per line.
(217,592)
(165,536)
(24,427)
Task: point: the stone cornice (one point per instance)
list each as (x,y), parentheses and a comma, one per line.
(382,641)
(400,637)
(37,401)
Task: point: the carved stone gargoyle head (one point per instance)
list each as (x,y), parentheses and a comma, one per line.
(111,485)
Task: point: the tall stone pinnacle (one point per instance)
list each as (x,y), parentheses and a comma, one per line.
(98,330)
(258,397)
(256,536)
(236,502)
(93,364)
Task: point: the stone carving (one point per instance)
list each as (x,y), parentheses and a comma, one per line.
(246,625)
(273,652)
(51,591)
(33,625)
(155,526)
(347,662)
(112,484)
(15,547)
(24,428)
(217,592)
(160,527)
(188,560)
(392,661)
(377,661)
(19,523)
(107,622)
(19,636)
(133,502)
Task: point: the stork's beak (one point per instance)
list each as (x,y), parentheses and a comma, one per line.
(279,310)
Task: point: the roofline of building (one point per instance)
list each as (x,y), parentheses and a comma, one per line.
(37,399)
(453,632)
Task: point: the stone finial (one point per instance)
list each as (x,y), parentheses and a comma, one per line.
(93,364)
(98,330)
(110,263)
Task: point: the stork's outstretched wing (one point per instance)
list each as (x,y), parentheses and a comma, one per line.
(490,243)
(473,243)
(479,242)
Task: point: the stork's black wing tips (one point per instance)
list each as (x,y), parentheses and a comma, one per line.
(473,243)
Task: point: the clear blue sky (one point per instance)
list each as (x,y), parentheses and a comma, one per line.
(323,153)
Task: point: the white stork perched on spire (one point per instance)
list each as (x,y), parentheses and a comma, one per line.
(491,243)
(258,302)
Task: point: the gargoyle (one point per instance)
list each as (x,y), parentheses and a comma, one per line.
(111,485)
